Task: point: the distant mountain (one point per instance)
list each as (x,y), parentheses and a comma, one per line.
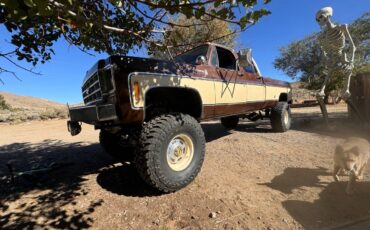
(27,108)
(28,102)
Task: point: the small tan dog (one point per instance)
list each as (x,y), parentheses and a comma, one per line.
(352,156)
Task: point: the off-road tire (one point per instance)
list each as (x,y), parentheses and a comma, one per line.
(230,122)
(281,117)
(112,144)
(151,157)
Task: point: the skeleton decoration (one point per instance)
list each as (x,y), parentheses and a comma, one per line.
(337,60)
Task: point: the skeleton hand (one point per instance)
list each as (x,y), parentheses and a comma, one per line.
(348,66)
(346,95)
(320,94)
(325,71)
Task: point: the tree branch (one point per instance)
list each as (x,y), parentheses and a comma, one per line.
(17,65)
(215,39)
(111,28)
(71,43)
(2,70)
(138,34)
(149,3)
(160,20)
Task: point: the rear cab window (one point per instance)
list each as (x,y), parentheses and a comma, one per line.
(226,59)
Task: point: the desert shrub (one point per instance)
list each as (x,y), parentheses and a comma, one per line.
(62,113)
(3,104)
(18,115)
(53,113)
(4,115)
(48,114)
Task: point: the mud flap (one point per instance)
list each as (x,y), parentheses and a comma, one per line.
(74,127)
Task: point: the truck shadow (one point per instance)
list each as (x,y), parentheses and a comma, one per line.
(47,199)
(124,180)
(215,130)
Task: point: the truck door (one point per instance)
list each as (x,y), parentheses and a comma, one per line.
(230,87)
(256,87)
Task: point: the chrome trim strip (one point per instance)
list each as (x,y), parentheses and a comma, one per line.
(88,95)
(97,100)
(107,67)
(82,106)
(240,103)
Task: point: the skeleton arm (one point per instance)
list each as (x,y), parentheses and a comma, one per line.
(325,59)
(352,47)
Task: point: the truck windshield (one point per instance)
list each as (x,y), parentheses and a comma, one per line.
(190,56)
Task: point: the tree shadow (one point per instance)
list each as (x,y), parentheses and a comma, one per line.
(124,180)
(260,126)
(213,131)
(295,178)
(48,199)
(332,208)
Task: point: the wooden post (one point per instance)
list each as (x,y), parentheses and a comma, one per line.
(360,97)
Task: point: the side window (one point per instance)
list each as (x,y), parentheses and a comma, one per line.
(226,59)
(214,60)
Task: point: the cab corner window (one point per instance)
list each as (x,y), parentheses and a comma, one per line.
(226,59)
(214,58)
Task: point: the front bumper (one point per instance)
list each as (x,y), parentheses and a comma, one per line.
(93,114)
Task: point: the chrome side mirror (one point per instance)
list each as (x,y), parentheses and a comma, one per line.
(200,60)
(245,57)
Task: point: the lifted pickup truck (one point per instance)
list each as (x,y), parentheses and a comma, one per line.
(148,111)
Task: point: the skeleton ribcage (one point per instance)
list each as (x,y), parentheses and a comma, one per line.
(332,42)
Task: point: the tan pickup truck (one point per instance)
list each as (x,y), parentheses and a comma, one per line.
(149,110)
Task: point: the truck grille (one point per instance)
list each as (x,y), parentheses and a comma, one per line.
(91,90)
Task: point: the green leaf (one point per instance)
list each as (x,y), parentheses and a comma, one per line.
(29,3)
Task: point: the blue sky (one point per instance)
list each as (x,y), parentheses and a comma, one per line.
(290,20)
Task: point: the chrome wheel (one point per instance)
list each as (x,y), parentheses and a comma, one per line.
(180,152)
(286,117)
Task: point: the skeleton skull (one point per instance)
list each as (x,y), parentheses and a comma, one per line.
(324,15)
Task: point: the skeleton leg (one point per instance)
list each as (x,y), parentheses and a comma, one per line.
(360,174)
(322,90)
(346,95)
(336,172)
(351,183)
(320,98)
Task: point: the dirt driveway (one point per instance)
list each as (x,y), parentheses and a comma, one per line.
(251,179)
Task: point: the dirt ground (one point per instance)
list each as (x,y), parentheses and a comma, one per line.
(252,178)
